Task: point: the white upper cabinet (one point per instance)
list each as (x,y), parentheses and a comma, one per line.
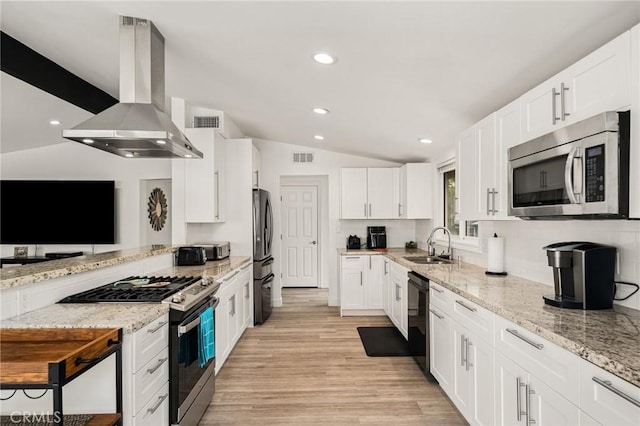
(368,193)
(634,166)
(255,164)
(467,171)
(205,193)
(507,135)
(415,191)
(598,82)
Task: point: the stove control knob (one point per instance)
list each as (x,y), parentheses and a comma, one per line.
(204,283)
(178,297)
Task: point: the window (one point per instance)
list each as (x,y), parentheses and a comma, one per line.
(466,230)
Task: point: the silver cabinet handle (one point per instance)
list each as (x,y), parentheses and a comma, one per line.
(158,404)
(257,172)
(232,301)
(528,391)
(352,257)
(554,93)
(153,330)
(436,289)
(461,303)
(217,179)
(369,209)
(397,293)
(488,196)
(365,209)
(369,262)
(462,348)
(385,267)
(607,385)
(538,346)
(563,113)
(519,385)
(399,209)
(246,295)
(468,365)
(494,202)
(158,365)
(436,314)
(360,277)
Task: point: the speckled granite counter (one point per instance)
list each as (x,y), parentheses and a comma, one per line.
(26,274)
(608,338)
(128,316)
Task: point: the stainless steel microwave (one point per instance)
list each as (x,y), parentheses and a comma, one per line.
(580,171)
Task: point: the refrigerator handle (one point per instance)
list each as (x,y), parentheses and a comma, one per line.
(269,227)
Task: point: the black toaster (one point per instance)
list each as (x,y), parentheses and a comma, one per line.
(189,256)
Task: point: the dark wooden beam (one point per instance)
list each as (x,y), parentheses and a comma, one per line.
(26,64)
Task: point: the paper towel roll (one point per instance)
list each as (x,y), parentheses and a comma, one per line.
(495,255)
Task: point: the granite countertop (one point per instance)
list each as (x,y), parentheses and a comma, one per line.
(607,338)
(26,274)
(128,316)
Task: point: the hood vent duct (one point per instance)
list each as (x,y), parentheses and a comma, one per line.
(137,126)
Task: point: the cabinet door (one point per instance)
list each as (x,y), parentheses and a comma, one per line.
(548,408)
(374,290)
(441,348)
(600,81)
(220,183)
(353,193)
(507,135)
(480,368)
(387,291)
(222,329)
(486,166)
(255,164)
(380,193)
(396,303)
(352,282)
(416,184)
(246,282)
(199,179)
(461,389)
(402,201)
(510,386)
(538,107)
(466,170)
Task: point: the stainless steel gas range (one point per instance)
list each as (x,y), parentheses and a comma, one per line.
(191,374)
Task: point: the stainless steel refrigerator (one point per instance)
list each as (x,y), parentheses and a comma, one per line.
(262,259)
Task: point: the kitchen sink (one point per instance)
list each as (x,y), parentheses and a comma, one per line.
(427,260)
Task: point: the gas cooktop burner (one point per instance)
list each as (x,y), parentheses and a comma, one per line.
(133,289)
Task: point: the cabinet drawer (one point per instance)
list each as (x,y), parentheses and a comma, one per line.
(351,262)
(150,340)
(440,297)
(476,319)
(608,398)
(156,410)
(150,378)
(554,366)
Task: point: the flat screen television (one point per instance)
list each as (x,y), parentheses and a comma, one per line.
(57,212)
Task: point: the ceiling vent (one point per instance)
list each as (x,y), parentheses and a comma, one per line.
(302,157)
(211,122)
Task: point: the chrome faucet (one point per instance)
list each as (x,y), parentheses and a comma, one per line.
(431,245)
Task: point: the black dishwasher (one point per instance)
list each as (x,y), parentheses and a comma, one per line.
(418,322)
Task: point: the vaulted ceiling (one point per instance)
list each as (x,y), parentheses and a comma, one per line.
(405,70)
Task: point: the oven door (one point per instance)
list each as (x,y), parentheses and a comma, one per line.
(188,377)
(577,178)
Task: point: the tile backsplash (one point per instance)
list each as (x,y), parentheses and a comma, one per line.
(525,257)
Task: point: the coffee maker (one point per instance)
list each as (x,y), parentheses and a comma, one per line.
(376,237)
(583,275)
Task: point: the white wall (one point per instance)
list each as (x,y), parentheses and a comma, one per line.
(72,160)
(276,162)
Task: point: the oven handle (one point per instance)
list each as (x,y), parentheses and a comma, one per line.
(183,329)
(569,174)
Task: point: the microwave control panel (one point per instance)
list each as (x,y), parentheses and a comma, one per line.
(594,174)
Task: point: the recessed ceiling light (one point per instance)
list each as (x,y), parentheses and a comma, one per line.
(187,156)
(319,137)
(321,111)
(161,142)
(87,140)
(323,58)
(425,140)
(128,154)
(54,122)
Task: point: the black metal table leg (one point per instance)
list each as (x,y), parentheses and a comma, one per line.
(57,405)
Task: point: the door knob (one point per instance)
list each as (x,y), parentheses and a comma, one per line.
(312,242)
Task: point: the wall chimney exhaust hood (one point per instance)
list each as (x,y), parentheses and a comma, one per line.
(137,126)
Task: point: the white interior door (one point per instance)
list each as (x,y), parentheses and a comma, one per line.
(299,236)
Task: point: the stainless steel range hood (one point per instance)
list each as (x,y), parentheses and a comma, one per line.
(137,127)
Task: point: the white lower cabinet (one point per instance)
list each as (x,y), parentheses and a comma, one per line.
(399,294)
(156,411)
(230,315)
(440,348)
(473,378)
(362,285)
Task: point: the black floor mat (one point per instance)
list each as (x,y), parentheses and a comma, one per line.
(383,341)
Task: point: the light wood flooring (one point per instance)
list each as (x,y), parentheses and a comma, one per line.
(306,365)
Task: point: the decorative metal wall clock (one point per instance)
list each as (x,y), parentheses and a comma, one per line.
(157,209)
